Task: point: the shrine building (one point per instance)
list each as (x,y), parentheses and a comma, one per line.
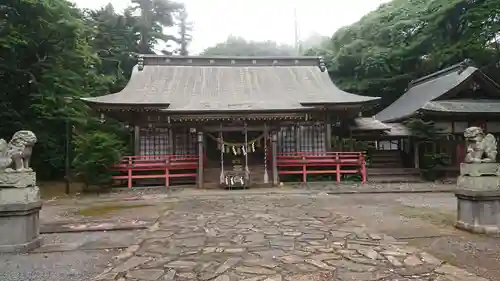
(452,99)
(228,121)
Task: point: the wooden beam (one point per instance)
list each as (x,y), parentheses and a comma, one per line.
(137,140)
(199,178)
(274,147)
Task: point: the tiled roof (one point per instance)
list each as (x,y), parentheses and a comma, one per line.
(229,83)
(368,124)
(463,106)
(428,89)
(397,130)
(372,124)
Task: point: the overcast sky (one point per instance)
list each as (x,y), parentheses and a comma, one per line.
(215,20)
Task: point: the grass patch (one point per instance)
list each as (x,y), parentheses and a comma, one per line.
(428,214)
(102,210)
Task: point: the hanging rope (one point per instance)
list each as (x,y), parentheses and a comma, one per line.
(221,136)
(247,171)
(266,176)
(252,141)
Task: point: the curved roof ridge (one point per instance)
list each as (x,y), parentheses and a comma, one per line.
(214,87)
(428,89)
(456,67)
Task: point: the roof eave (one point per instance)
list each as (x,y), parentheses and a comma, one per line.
(95,103)
(328,103)
(399,118)
(448,112)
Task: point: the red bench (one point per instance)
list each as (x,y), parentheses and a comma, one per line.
(316,163)
(156,167)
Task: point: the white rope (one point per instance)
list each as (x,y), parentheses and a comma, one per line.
(252,141)
(266,176)
(247,171)
(221,136)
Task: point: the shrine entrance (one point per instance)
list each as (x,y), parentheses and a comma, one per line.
(239,157)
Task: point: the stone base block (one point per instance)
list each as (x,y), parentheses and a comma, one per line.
(480,169)
(19,195)
(478,211)
(17,179)
(478,183)
(19,226)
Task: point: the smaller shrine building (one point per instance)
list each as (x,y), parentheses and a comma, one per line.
(453,99)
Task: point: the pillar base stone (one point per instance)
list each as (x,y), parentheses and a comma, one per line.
(19,219)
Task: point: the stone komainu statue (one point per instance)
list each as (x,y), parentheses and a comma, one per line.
(480,147)
(17,152)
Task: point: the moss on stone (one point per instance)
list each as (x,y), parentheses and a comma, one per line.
(100,210)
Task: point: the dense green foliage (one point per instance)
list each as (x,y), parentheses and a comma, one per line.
(238,46)
(429,136)
(95,153)
(406,39)
(49,51)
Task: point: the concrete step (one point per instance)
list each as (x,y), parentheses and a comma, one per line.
(394,179)
(385,152)
(386,165)
(392,171)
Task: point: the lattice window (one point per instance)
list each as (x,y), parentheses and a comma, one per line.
(312,138)
(286,139)
(388,145)
(154,141)
(185,142)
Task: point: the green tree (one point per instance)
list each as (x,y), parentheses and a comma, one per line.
(95,152)
(154,16)
(116,43)
(403,40)
(45,57)
(185,27)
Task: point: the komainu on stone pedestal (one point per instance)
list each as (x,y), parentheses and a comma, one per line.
(480,171)
(478,193)
(15,170)
(19,196)
(481,148)
(17,152)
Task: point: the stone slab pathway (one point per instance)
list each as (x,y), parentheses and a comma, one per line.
(271,238)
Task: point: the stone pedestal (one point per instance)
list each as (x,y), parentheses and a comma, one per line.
(479,176)
(20,205)
(478,211)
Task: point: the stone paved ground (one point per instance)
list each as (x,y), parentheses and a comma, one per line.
(425,221)
(271,237)
(65,262)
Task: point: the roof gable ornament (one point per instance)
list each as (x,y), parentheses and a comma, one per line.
(140,62)
(322,65)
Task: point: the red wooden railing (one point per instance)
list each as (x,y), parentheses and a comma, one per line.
(156,167)
(307,163)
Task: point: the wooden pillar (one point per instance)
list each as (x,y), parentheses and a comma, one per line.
(171,140)
(416,154)
(328,136)
(297,138)
(274,147)
(199,178)
(137,140)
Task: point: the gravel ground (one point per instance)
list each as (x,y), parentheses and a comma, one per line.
(125,237)
(61,266)
(64,266)
(425,221)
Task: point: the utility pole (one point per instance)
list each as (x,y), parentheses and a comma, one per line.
(296,30)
